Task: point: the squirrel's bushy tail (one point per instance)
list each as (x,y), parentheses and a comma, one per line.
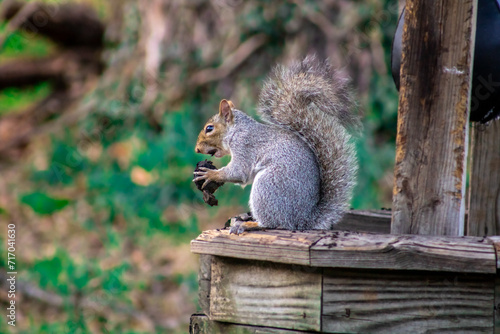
(312,100)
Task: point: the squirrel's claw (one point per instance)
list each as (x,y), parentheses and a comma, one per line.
(203,172)
(205,184)
(203,176)
(206,174)
(199,178)
(237,228)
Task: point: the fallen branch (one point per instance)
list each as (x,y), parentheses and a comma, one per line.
(60,69)
(20,73)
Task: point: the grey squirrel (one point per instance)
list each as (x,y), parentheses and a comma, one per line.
(301,161)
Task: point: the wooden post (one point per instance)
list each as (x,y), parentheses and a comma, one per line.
(484,194)
(432,139)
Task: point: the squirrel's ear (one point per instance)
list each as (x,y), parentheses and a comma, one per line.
(226,110)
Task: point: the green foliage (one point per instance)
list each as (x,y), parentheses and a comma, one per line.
(60,273)
(15,99)
(379,122)
(273,26)
(43,204)
(113,280)
(25,44)
(376,150)
(49,271)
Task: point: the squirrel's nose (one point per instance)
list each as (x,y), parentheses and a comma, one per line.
(197,150)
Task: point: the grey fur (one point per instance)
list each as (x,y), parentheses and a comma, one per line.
(302,161)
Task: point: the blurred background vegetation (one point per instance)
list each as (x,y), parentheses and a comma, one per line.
(96,144)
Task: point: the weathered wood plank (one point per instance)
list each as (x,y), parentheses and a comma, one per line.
(433,117)
(496,305)
(484,191)
(495,240)
(353,250)
(201,324)
(277,245)
(376,221)
(408,252)
(496,243)
(265,294)
(204,279)
(407,302)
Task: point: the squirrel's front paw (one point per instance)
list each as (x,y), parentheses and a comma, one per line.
(207,174)
(238,227)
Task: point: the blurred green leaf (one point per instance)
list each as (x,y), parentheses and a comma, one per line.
(113,282)
(49,271)
(13,99)
(43,204)
(20,43)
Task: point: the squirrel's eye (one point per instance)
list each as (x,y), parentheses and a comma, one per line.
(209,128)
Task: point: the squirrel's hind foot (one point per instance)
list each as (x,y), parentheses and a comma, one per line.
(242,217)
(238,226)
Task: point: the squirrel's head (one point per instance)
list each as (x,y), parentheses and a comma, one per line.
(211,137)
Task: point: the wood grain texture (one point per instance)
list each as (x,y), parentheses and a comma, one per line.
(376,221)
(201,324)
(204,282)
(353,250)
(408,252)
(495,240)
(276,245)
(432,138)
(496,305)
(265,294)
(484,195)
(407,302)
